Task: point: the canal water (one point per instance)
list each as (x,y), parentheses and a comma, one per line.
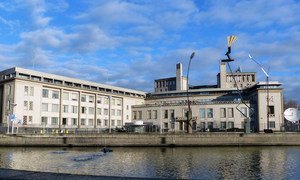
(153,162)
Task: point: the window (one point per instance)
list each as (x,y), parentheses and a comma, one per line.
(105,111)
(202,113)
(44,121)
(127,117)
(64,121)
(99,111)
(55,94)
(149,114)
(54,107)
(91,110)
(134,115)
(113,123)
(24,120)
(127,107)
(244,112)
(119,102)
(210,125)
(105,122)
(98,100)
(140,114)
(45,93)
(44,107)
(82,122)
(54,120)
(271,110)
(230,113)
(119,112)
(154,114)
(166,114)
(202,125)
(74,109)
(83,110)
(74,121)
(113,101)
(30,119)
(223,125)
(210,113)
(98,122)
(26,90)
(30,105)
(230,125)
(65,108)
(91,122)
(65,96)
(25,105)
(105,100)
(113,112)
(91,99)
(172,113)
(9,90)
(272,124)
(223,112)
(83,98)
(31,91)
(118,122)
(166,125)
(74,97)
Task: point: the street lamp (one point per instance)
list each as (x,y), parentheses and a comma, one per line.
(268,98)
(189,113)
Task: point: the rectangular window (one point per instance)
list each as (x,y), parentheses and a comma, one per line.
(55,94)
(105,100)
(64,121)
(172,113)
(54,107)
(25,105)
(91,99)
(119,112)
(210,125)
(148,114)
(83,110)
(113,123)
(272,124)
(154,114)
(91,122)
(99,111)
(202,126)
(54,120)
(244,112)
(30,119)
(118,122)
(65,108)
(83,98)
(105,122)
(202,113)
(134,115)
(74,109)
(223,112)
(230,113)
(113,112)
(30,105)
(166,114)
(113,101)
(91,110)
(24,120)
(44,121)
(26,90)
(65,96)
(82,122)
(105,111)
(99,100)
(98,122)
(223,125)
(271,110)
(74,121)
(45,93)
(119,102)
(166,125)
(230,125)
(31,91)
(140,114)
(44,107)
(74,97)
(210,113)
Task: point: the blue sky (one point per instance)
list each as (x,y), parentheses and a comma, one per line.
(131,43)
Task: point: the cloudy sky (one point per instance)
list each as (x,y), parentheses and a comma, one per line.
(131,43)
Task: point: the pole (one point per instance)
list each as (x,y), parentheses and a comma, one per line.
(161,116)
(189,113)
(7,120)
(268,104)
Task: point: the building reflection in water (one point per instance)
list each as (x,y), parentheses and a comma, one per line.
(204,163)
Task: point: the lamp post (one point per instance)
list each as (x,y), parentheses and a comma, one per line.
(268,94)
(189,112)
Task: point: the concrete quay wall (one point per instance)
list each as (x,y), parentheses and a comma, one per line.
(199,139)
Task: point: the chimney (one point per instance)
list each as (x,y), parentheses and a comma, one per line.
(179,77)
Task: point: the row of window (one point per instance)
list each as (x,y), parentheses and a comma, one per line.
(83,121)
(84,98)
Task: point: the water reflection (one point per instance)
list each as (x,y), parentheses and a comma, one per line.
(204,163)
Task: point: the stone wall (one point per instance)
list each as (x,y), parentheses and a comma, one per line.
(199,139)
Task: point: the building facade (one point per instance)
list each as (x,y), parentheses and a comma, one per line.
(237,101)
(40,100)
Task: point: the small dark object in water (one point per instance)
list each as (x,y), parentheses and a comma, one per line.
(105,150)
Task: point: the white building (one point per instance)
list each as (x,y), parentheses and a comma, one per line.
(41,100)
(216,106)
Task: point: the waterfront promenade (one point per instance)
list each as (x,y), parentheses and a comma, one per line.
(148,140)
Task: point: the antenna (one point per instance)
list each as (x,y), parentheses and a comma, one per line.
(292,114)
(267,74)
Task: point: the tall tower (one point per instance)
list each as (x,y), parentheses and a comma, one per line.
(179,80)
(222,75)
